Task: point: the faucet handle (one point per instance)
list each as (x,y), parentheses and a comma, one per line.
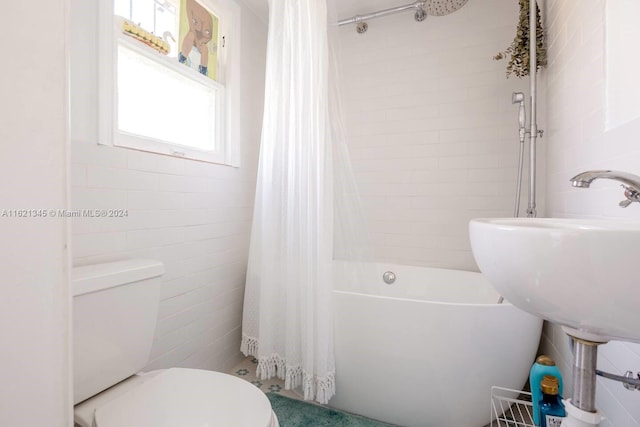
(631,196)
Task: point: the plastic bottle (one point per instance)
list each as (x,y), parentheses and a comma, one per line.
(544,366)
(552,410)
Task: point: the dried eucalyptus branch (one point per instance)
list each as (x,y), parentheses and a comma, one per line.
(518,50)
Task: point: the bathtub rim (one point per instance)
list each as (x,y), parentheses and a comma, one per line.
(426,301)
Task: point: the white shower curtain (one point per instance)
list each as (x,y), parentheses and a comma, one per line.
(287,320)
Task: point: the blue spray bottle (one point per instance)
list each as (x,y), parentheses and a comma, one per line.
(544,366)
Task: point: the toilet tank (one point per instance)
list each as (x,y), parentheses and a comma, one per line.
(115,307)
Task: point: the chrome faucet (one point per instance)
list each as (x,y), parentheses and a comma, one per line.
(630,183)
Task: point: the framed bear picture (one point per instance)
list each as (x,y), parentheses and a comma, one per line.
(198,38)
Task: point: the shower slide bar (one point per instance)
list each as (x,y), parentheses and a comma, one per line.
(418,6)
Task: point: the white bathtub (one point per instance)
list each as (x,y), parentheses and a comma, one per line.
(426,350)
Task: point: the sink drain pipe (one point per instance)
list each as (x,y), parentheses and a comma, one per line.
(581,408)
(584,374)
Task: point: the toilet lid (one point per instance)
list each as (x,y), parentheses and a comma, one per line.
(188,398)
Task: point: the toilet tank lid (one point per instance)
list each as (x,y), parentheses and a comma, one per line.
(95,277)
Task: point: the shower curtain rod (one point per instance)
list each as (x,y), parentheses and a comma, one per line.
(359,18)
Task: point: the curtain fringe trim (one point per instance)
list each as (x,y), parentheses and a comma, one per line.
(313,387)
(249,346)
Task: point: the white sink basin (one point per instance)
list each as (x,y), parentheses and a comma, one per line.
(578,273)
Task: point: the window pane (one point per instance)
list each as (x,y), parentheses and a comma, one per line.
(167,21)
(143,14)
(122,8)
(157,102)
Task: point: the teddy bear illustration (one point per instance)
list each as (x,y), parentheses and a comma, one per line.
(199,35)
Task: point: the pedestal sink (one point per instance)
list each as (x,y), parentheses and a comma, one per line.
(577,273)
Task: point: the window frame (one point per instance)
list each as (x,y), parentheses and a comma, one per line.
(227,151)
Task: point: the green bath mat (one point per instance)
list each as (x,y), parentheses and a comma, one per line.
(295,413)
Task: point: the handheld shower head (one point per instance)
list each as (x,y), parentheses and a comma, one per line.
(517,97)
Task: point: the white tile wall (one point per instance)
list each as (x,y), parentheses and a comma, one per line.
(432,131)
(577,142)
(193,216)
(35,310)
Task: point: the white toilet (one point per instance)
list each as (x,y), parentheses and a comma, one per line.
(115,306)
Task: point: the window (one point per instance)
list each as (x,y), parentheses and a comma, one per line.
(157,17)
(168,77)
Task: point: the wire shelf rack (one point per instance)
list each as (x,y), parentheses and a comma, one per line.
(511,408)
